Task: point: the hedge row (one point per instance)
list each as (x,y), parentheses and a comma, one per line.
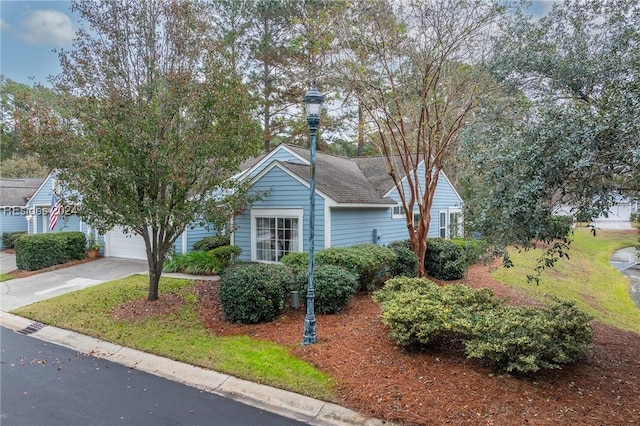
(37,251)
(9,238)
(420,313)
(368,261)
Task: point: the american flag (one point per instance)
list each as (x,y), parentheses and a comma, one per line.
(54,213)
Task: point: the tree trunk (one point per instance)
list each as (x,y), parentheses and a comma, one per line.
(154,284)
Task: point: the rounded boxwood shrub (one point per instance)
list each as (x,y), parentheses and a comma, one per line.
(210,243)
(297,261)
(418,312)
(255,292)
(525,339)
(334,287)
(445,260)
(368,261)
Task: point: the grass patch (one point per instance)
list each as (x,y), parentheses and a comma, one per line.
(6,277)
(587,277)
(179,335)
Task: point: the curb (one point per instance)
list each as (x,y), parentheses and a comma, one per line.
(284,403)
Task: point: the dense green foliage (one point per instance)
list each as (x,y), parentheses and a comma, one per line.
(368,261)
(445,259)
(564,132)
(154,119)
(406,262)
(37,251)
(475,250)
(524,339)
(255,292)
(203,262)
(420,314)
(224,256)
(209,243)
(334,288)
(9,238)
(298,261)
(196,263)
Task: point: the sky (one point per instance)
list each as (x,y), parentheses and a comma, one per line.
(31,30)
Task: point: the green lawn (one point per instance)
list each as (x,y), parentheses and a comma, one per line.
(587,277)
(179,336)
(5,277)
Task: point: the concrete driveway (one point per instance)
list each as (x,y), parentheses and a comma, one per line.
(24,291)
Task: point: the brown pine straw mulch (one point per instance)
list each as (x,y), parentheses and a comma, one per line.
(442,387)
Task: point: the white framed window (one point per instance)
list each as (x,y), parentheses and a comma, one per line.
(442,223)
(456,229)
(274,233)
(397,212)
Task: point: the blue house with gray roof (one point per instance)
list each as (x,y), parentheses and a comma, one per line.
(356,202)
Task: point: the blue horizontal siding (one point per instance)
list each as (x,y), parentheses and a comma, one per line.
(11,223)
(354,226)
(284,192)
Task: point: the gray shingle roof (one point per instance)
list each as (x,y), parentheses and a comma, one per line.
(342,179)
(17,191)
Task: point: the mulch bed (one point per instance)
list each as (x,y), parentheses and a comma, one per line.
(440,387)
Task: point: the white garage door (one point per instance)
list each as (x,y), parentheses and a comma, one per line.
(618,212)
(121,244)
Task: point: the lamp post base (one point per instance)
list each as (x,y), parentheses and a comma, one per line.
(310,337)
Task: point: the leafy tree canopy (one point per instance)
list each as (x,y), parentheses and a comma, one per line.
(565,133)
(151,119)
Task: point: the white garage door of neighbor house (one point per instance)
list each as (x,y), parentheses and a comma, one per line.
(618,212)
(128,245)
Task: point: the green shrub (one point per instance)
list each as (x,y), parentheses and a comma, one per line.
(9,238)
(253,293)
(298,261)
(38,251)
(405,264)
(419,313)
(368,261)
(196,262)
(526,340)
(400,243)
(210,243)
(445,260)
(224,256)
(475,250)
(334,287)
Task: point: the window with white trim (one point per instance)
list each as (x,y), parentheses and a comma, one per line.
(455,223)
(443,224)
(397,212)
(275,234)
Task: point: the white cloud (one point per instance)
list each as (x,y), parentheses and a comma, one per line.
(48,27)
(4,25)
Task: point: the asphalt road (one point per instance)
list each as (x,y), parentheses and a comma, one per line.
(49,385)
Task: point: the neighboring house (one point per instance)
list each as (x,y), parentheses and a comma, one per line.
(117,243)
(356,202)
(620,211)
(14,195)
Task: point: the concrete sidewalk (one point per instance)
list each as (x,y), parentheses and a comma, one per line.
(23,291)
